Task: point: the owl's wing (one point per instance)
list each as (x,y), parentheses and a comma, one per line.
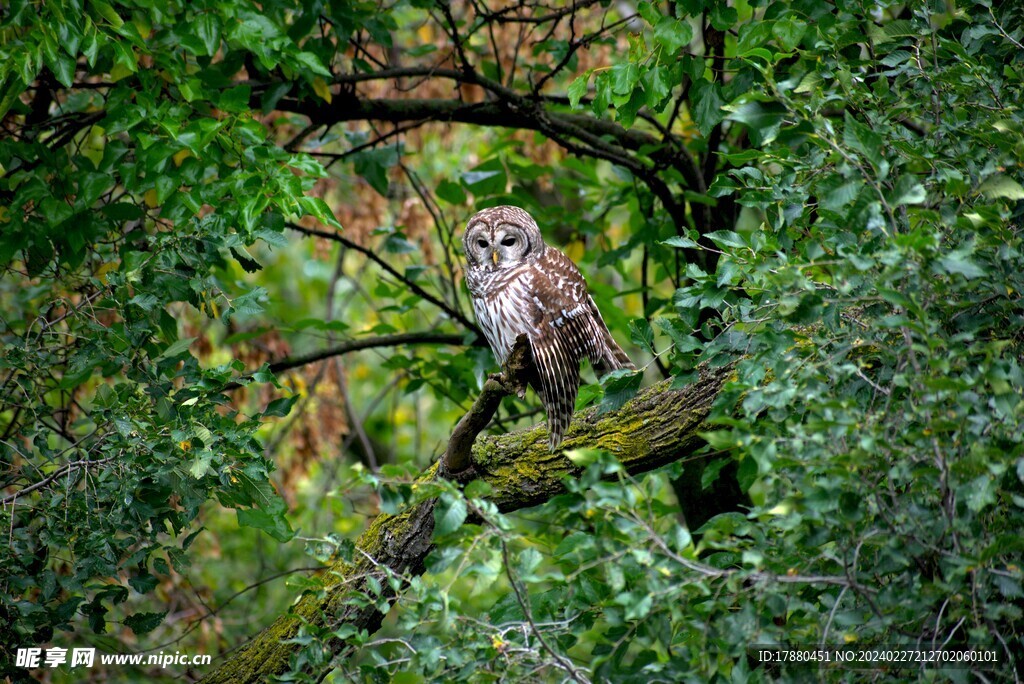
(608,355)
(567,327)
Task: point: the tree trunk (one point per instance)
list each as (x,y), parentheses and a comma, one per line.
(658,426)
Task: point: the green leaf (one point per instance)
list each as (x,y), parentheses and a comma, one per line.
(712,471)
(680,333)
(176,348)
(373,166)
(960,262)
(656,86)
(637,609)
(619,387)
(63,68)
(789,32)
(720,440)
(143,623)
(449,514)
(723,17)
(578,88)
(107,12)
(488,178)
(314,206)
(478,489)
(727,238)
(450,192)
(312,62)
(187,542)
(673,35)
(207,27)
(681,242)
(249,265)
(280,407)
(1001,185)
(641,333)
(863,140)
(602,94)
(624,78)
(528,560)
(396,243)
(763,119)
(979,493)
(809,82)
(627,108)
(587,395)
(707,101)
(907,190)
(143,583)
(248,304)
(235,99)
(269,518)
(581,458)
(201,465)
(91,187)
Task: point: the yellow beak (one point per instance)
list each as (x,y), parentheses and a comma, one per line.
(494,258)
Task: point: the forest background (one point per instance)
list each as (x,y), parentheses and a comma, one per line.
(235,336)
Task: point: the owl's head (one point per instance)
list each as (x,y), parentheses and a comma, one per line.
(500,238)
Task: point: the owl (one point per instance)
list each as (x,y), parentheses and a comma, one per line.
(521,285)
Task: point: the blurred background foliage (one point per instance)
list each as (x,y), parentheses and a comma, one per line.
(234,326)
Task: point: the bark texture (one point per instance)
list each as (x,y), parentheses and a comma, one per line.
(658,426)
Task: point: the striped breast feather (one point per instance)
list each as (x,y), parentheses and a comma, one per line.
(503,307)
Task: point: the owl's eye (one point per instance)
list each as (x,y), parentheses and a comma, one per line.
(509,241)
(481,242)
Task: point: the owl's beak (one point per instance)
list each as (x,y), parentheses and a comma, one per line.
(494,258)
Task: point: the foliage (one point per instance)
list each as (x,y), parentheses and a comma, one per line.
(117,149)
(829,192)
(879,410)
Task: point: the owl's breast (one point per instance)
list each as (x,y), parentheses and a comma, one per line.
(504,307)
(482,282)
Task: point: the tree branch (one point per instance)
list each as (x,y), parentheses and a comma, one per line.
(349,346)
(658,426)
(65,469)
(367,343)
(412,285)
(512,380)
(600,139)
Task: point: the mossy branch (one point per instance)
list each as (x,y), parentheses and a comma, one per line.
(513,379)
(658,426)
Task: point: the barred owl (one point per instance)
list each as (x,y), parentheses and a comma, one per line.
(521,285)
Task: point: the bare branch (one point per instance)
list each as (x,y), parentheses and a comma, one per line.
(66,469)
(413,286)
(349,346)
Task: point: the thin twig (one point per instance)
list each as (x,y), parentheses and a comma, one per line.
(524,603)
(413,286)
(63,470)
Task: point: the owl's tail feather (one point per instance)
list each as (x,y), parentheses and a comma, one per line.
(613,358)
(558,394)
(560,405)
(609,355)
(557,425)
